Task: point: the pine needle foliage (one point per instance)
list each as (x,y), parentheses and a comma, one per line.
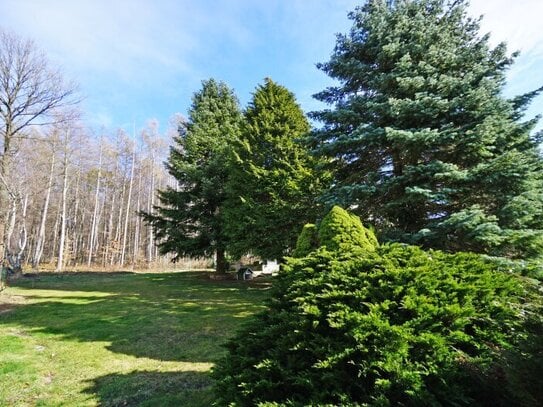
(422,141)
(274,181)
(189,221)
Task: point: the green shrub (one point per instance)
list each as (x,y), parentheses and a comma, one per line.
(341,230)
(307,241)
(395,325)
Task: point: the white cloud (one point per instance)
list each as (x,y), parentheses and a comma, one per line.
(122,38)
(515,22)
(144,51)
(518,24)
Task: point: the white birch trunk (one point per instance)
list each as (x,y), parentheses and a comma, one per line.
(137,227)
(62,239)
(75,239)
(38,249)
(150,208)
(118,225)
(95,211)
(128,202)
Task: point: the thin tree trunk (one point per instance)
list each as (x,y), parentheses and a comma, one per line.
(5,198)
(109,229)
(55,235)
(150,208)
(118,224)
(10,225)
(16,256)
(38,249)
(62,241)
(137,227)
(95,212)
(99,244)
(75,225)
(128,202)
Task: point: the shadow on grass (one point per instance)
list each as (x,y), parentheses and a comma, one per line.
(172,316)
(142,388)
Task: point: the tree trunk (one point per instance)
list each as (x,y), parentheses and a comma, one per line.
(117,236)
(137,220)
(55,236)
(221,265)
(38,249)
(95,211)
(128,202)
(16,256)
(75,223)
(4,194)
(151,204)
(62,239)
(109,230)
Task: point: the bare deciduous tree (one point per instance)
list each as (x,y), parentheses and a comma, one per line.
(30,93)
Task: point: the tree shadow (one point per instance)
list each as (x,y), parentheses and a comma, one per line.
(143,388)
(170,317)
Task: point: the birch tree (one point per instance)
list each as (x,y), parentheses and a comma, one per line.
(62,237)
(30,91)
(40,238)
(128,203)
(95,210)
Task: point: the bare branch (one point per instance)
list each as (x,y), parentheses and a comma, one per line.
(32,93)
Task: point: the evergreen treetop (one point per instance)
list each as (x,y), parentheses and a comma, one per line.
(274,180)
(189,220)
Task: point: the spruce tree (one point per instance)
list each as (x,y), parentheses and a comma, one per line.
(425,146)
(189,220)
(274,181)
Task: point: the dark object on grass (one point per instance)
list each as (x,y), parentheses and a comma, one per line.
(245,273)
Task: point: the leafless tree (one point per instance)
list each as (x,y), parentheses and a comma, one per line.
(31,91)
(93,232)
(128,205)
(40,237)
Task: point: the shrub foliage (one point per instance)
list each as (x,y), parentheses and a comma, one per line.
(307,241)
(391,326)
(341,230)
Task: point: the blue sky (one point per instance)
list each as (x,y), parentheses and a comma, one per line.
(141,59)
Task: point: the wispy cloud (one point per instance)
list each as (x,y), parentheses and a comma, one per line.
(518,23)
(129,52)
(121,38)
(144,58)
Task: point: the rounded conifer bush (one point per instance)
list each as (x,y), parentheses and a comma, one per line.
(393,325)
(307,241)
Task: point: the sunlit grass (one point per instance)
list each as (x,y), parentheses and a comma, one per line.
(108,339)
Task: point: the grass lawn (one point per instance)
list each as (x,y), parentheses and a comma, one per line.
(117,339)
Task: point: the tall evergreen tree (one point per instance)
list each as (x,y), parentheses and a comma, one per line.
(189,220)
(274,182)
(424,144)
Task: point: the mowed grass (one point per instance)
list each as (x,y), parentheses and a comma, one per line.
(118,339)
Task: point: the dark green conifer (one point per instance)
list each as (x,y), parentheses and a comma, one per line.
(189,220)
(274,182)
